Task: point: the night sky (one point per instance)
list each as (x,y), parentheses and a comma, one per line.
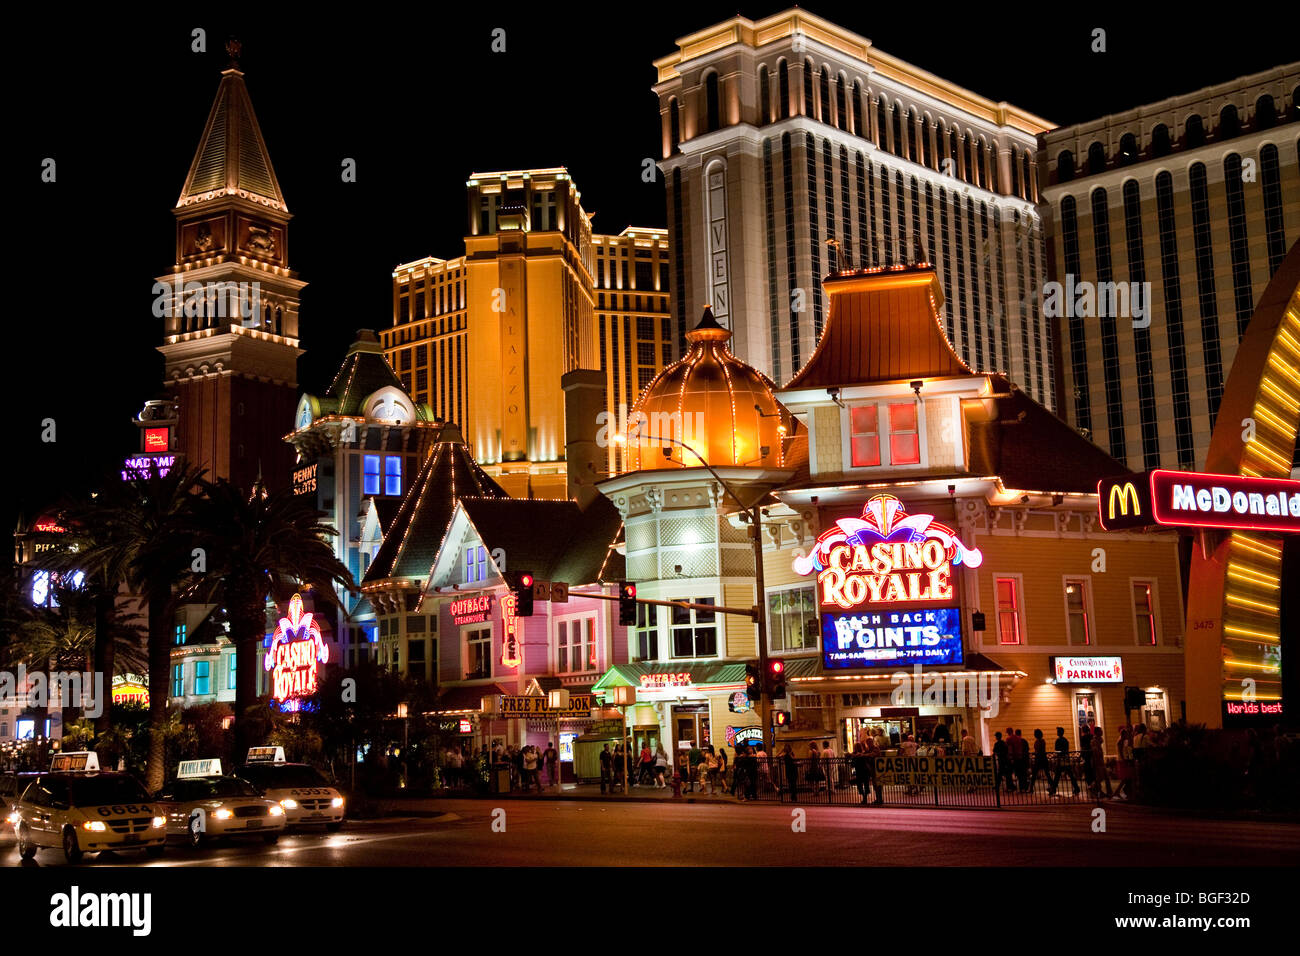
(419,101)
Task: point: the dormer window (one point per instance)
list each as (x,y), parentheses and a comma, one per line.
(884,433)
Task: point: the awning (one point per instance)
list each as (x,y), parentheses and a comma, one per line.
(463,699)
(701,673)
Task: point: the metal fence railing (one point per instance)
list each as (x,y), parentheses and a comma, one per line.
(953,781)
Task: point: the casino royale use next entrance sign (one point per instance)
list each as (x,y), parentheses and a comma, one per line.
(885,588)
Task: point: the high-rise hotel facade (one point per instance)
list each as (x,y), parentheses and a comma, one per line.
(793,149)
(485,338)
(1199,196)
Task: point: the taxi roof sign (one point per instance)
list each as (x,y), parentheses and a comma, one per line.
(199,768)
(266,755)
(77,760)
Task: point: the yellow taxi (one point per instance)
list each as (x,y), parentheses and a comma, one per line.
(82,810)
(201,804)
(304,793)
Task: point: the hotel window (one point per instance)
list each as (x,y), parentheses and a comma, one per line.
(370,474)
(904,442)
(792,622)
(1144,612)
(864,435)
(478,653)
(1203,241)
(475,564)
(1273,224)
(230,672)
(647,632)
(180,634)
(1174,318)
(712,104)
(1008,599)
(694,632)
(575,645)
(202,677)
(393,475)
(1077,619)
(178,680)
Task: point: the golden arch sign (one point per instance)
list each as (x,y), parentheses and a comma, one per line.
(1124,502)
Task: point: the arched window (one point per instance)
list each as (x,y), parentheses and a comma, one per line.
(674,126)
(712,104)
(1030,191)
(857,109)
(783,95)
(1096,158)
(1295,103)
(981,170)
(824,88)
(841,108)
(1265,113)
(764,98)
(1015,171)
(1193,132)
(882,124)
(927,149)
(1229,123)
(1160,141)
(970,160)
(911,135)
(278,326)
(899,141)
(1128,149)
(808,88)
(1065,166)
(954,151)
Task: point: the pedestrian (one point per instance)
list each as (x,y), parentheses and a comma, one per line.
(862,771)
(1040,760)
(1124,764)
(763,764)
(697,761)
(660,766)
(646,772)
(1140,744)
(815,774)
(880,740)
(531,774)
(1099,763)
(1085,746)
(909,748)
(684,768)
(606,770)
(1002,760)
(1022,770)
(751,773)
(970,747)
(552,758)
(1063,762)
(791,768)
(828,763)
(709,771)
(722,767)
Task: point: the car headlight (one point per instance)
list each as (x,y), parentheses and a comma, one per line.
(159,822)
(289,803)
(95,826)
(336,802)
(277,810)
(223,814)
(13,818)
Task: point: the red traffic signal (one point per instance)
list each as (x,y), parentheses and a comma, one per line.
(777,667)
(526,580)
(776,679)
(627,603)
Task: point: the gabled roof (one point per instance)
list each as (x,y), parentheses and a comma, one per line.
(883,326)
(364,371)
(555,540)
(414,535)
(232,159)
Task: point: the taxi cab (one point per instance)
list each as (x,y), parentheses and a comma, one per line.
(201,804)
(304,793)
(82,810)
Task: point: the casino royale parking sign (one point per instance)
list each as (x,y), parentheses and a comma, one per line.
(885,588)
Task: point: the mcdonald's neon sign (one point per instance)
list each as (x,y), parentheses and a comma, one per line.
(1181,499)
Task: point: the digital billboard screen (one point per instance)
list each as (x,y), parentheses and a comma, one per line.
(896,638)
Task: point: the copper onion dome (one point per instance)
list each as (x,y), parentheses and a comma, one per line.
(711,401)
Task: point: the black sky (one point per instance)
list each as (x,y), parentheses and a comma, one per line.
(419,100)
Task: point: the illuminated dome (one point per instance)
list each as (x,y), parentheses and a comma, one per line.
(711,401)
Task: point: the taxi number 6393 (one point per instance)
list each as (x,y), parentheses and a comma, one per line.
(128,808)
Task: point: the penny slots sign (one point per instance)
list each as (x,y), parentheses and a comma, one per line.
(885,588)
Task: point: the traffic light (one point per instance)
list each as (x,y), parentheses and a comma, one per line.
(627,603)
(753,682)
(522,588)
(780,718)
(776,679)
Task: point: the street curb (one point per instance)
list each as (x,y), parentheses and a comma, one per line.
(1220,815)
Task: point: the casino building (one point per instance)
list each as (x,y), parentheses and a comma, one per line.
(932,556)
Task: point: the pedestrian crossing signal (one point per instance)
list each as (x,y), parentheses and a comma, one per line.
(753,682)
(781,718)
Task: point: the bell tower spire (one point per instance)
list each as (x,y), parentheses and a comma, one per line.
(230,304)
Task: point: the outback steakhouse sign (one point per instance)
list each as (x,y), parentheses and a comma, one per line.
(472,610)
(1085,670)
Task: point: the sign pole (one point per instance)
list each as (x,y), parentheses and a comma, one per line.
(760,624)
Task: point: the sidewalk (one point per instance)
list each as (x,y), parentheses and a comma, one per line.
(567,791)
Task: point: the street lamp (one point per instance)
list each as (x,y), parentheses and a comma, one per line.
(624,696)
(754,513)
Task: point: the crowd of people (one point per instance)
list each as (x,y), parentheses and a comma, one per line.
(529,765)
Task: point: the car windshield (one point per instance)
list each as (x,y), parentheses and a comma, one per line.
(272,777)
(89,791)
(218,787)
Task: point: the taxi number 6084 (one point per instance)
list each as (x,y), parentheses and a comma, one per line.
(128,808)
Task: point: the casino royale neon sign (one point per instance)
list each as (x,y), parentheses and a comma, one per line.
(297,650)
(886,557)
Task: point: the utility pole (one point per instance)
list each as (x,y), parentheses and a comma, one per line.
(760,624)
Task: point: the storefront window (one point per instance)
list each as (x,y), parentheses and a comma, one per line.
(1144,615)
(792,622)
(1076,611)
(1008,611)
(575,647)
(694,632)
(478,656)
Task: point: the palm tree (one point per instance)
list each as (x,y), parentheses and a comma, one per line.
(140,531)
(259,547)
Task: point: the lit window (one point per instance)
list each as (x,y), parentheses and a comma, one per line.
(370,475)
(230,672)
(482,563)
(478,653)
(792,623)
(575,646)
(1008,611)
(864,435)
(469,565)
(180,634)
(904,444)
(393,475)
(1144,613)
(1076,611)
(178,680)
(202,677)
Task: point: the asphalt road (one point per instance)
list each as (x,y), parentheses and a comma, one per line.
(591,833)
